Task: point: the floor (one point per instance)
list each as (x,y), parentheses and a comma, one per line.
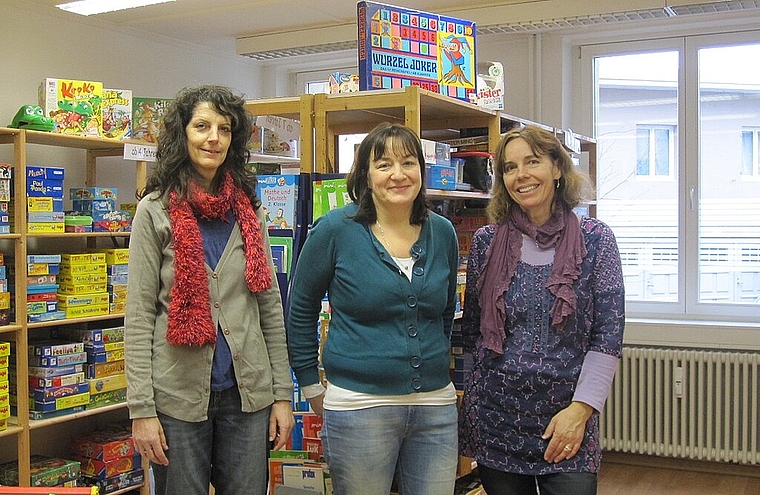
(624,476)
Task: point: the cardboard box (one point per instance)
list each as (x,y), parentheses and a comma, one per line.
(45,471)
(75,106)
(440,177)
(104,445)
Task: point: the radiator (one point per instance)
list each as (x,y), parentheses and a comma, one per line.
(683,403)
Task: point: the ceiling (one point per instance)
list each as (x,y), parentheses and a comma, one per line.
(216,24)
(274,27)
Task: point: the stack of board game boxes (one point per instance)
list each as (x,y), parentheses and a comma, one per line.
(104,374)
(45,471)
(99,203)
(6,305)
(44,192)
(6,178)
(108,459)
(5,407)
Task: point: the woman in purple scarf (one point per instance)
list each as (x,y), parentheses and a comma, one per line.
(544,317)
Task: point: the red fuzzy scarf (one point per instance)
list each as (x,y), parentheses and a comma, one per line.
(190,321)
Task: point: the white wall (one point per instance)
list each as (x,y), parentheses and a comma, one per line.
(36,46)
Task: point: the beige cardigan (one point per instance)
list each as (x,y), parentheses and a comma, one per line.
(176,379)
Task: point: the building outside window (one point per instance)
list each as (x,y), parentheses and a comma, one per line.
(677,127)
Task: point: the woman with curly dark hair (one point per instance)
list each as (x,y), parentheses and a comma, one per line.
(209,386)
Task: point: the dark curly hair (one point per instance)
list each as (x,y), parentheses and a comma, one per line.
(174,170)
(404,142)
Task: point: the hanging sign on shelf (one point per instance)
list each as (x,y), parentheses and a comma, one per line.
(140,152)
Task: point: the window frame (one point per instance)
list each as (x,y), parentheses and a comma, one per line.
(688,307)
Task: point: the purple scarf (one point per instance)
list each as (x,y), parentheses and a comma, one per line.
(562,231)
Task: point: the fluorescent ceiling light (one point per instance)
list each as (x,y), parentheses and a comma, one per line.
(90,7)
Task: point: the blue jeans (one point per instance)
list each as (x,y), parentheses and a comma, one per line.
(228,450)
(501,483)
(364,449)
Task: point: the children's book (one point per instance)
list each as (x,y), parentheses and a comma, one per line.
(146,117)
(328,194)
(278,195)
(401,47)
(282,249)
(117,113)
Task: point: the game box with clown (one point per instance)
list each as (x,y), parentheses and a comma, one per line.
(400,47)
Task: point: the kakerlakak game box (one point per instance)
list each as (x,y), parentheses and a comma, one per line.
(400,47)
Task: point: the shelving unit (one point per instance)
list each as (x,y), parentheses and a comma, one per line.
(18,244)
(431,115)
(300,108)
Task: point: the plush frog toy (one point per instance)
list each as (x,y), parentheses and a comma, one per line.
(32,117)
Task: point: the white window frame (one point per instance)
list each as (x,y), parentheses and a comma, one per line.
(755,158)
(672,143)
(688,307)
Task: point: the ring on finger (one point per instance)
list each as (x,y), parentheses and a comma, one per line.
(568,448)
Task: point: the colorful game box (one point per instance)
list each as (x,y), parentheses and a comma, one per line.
(146,117)
(117,113)
(401,47)
(74,106)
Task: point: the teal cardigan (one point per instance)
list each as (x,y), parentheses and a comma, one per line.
(387,335)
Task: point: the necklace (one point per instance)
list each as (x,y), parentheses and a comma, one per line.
(406,263)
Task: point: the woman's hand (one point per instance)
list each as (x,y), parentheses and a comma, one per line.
(316,404)
(149,439)
(280,423)
(566,431)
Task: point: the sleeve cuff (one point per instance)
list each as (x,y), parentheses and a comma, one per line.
(595,380)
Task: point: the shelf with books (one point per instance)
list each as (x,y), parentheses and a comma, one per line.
(431,115)
(297,108)
(17,442)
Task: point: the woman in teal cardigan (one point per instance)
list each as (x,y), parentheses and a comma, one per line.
(388,266)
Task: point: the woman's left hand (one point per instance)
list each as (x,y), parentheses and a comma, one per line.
(280,423)
(566,431)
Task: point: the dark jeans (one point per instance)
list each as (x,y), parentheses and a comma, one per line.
(501,483)
(228,450)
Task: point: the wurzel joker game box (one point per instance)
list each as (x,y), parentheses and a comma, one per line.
(400,47)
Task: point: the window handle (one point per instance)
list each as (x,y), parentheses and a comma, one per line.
(692,193)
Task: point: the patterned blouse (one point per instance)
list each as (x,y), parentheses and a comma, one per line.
(510,399)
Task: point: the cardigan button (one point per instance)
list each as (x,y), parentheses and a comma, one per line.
(416,384)
(411,330)
(411,301)
(214,275)
(216,304)
(416,362)
(419,271)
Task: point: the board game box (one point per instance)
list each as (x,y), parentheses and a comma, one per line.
(117,113)
(401,47)
(75,106)
(146,117)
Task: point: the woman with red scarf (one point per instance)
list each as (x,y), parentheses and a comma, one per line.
(209,383)
(544,314)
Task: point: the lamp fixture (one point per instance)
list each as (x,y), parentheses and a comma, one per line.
(91,7)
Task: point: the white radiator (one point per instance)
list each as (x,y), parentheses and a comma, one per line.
(689,404)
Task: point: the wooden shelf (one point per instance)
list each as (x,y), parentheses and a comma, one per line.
(41,423)
(300,108)
(20,426)
(66,321)
(423,111)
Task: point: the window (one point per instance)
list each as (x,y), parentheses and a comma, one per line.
(676,123)
(655,150)
(750,153)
